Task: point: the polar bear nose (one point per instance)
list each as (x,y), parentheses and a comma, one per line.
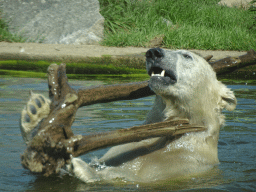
(154,53)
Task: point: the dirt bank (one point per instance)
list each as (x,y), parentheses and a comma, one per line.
(74,53)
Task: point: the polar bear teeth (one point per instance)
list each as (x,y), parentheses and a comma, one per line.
(162,74)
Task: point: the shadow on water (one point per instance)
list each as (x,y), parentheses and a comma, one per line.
(236,171)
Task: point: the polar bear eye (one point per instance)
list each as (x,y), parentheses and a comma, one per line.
(187,56)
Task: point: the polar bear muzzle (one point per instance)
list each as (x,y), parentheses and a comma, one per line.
(157,70)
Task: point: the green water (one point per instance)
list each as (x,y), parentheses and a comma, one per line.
(237,155)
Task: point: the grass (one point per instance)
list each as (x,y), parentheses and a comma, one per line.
(253,9)
(197,24)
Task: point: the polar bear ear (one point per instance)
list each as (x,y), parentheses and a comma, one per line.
(228,99)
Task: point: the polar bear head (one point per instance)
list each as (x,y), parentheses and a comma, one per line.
(188,87)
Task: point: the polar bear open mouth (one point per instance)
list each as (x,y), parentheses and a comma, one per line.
(167,76)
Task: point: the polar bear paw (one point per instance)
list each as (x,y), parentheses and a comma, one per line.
(83,171)
(37,108)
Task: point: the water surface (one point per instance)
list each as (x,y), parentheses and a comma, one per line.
(236,171)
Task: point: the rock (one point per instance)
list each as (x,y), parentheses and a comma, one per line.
(236,3)
(165,21)
(54,21)
(157,41)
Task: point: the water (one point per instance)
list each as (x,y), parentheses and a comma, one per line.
(237,154)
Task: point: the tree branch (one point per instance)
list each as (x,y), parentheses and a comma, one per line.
(169,128)
(230,64)
(103,94)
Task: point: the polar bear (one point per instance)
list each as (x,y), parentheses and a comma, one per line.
(186,87)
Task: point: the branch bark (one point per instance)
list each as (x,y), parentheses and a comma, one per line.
(103,94)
